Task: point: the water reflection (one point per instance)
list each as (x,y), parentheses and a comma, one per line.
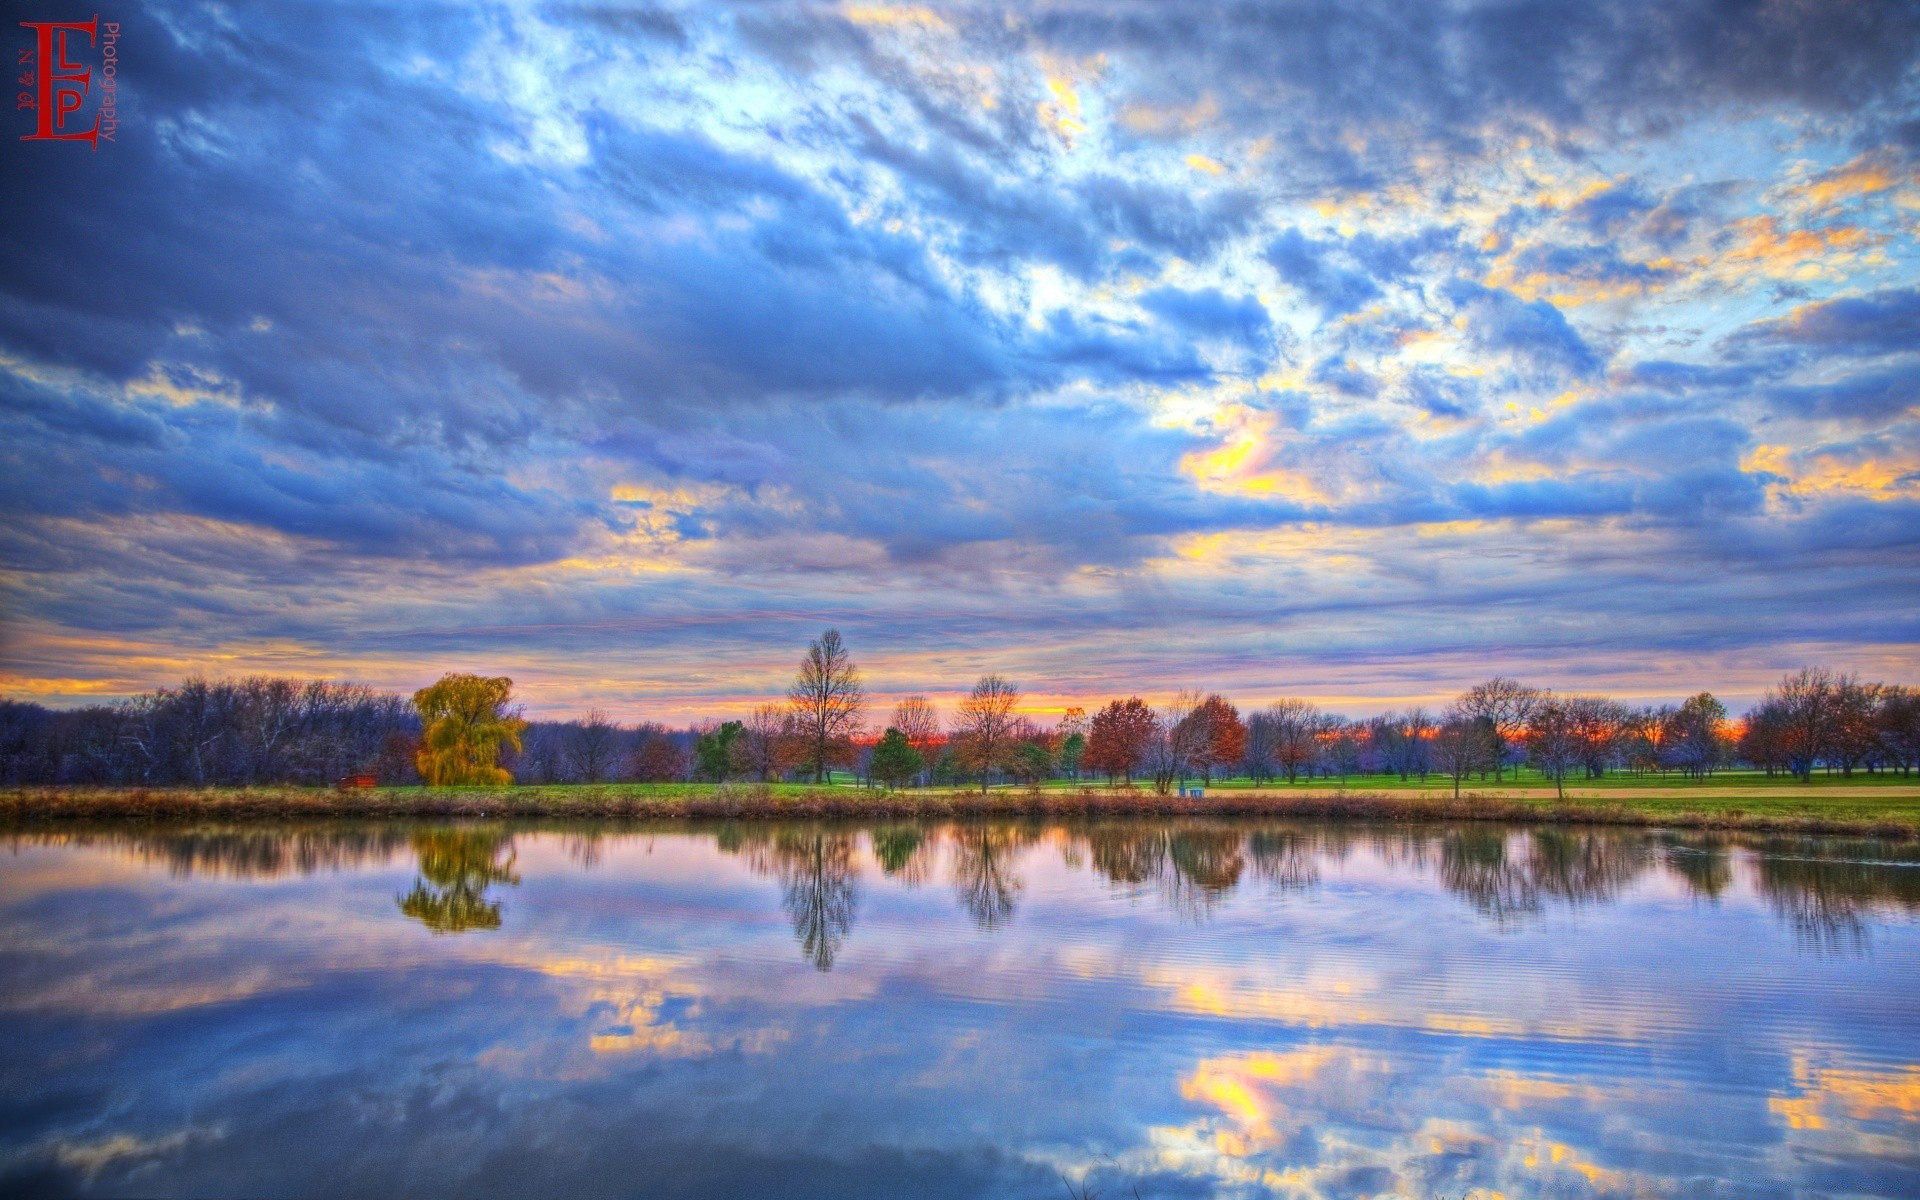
(1194,866)
(905,852)
(1508,877)
(1182,1007)
(243,852)
(1288,860)
(457,866)
(1704,863)
(816,868)
(984,877)
(1826,890)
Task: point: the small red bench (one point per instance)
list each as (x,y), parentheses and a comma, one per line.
(350,782)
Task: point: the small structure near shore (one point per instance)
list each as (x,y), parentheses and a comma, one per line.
(350,783)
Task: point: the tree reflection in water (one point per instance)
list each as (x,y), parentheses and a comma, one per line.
(1702,863)
(904,852)
(1508,882)
(1286,859)
(1194,865)
(983,877)
(1828,891)
(1824,892)
(816,880)
(457,866)
(1475,864)
(247,852)
(816,868)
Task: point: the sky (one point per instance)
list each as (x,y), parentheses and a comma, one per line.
(1355,351)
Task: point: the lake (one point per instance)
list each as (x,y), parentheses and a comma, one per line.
(1160,1008)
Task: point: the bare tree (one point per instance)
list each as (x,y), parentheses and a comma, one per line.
(769,741)
(1598,726)
(1401,739)
(593,747)
(1184,741)
(1261,755)
(1856,725)
(1459,748)
(983,726)
(1802,710)
(1504,706)
(827,699)
(1553,741)
(1900,727)
(1295,727)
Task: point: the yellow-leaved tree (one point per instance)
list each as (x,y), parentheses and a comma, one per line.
(466,723)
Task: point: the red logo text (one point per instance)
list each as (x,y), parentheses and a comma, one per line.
(59,87)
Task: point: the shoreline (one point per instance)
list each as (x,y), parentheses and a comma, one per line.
(23,809)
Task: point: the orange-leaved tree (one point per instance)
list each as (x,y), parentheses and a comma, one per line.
(466,723)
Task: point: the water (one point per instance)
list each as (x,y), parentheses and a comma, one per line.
(1167,1008)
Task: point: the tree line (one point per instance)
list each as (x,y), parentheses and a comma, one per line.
(466,729)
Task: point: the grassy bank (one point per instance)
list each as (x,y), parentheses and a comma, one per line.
(1883,810)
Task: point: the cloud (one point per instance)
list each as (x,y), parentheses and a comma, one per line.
(1302,262)
(1209,312)
(1534,332)
(1880,322)
(539,333)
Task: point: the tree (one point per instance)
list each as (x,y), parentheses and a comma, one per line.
(1900,726)
(1855,737)
(466,725)
(1165,756)
(1293,729)
(657,756)
(1400,740)
(1802,714)
(592,747)
(894,759)
(1179,742)
(1029,756)
(827,699)
(1503,706)
(1073,749)
(1696,739)
(1460,748)
(1553,741)
(1762,741)
(917,718)
(1071,735)
(1261,756)
(984,726)
(1643,737)
(1597,726)
(1117,738)
(769,746)
(1219,739)
(720,752)
(1341,740)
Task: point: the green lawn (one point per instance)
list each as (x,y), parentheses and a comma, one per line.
(1526,779)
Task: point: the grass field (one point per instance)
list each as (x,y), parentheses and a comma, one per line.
(1882,805)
